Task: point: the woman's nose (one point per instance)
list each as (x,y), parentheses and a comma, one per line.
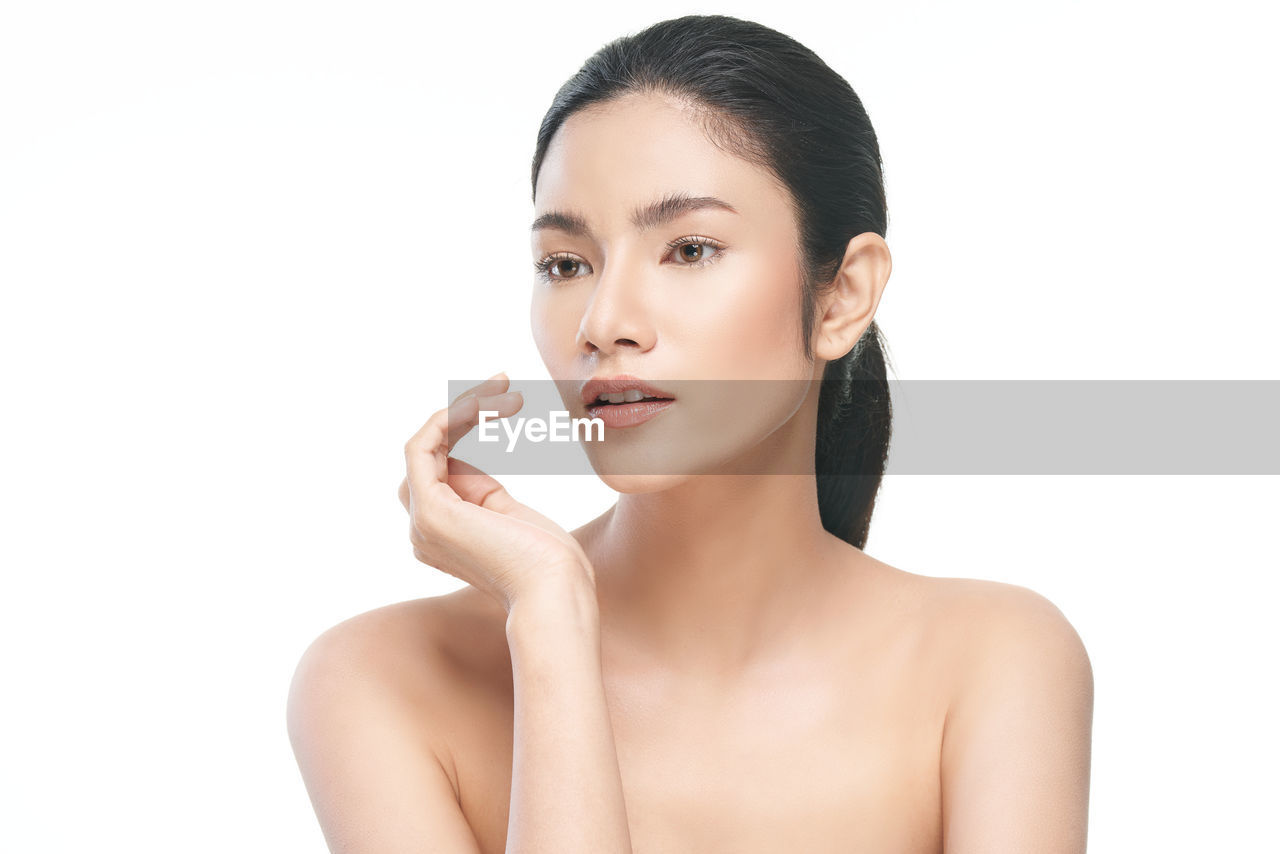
(616,317)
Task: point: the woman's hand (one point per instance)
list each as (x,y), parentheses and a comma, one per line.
(465,523)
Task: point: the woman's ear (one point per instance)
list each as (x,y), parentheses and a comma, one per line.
(849,305)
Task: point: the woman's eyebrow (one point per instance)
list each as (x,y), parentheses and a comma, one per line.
(643,218)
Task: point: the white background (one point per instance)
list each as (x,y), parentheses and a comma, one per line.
(244,245)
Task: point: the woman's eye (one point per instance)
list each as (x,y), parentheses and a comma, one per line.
(693,252)
(554,268)
(558,268)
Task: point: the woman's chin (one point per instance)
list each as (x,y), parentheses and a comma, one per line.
(642,483)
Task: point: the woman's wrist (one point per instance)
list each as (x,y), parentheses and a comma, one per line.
(561,601)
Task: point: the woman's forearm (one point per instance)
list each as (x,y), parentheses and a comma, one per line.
(566,790)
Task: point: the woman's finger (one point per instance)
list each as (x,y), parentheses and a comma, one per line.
(476,487)
(473,485)
(427,452)
(465,413)
(494,385)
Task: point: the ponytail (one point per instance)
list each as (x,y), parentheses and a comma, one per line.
(854,425)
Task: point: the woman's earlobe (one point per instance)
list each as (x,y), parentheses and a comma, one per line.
(831,348)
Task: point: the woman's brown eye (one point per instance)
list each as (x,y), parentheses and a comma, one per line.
(698,250)
(564,261)
(695,252)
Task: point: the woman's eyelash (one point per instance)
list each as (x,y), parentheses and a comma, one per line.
(698,240)
(543,267)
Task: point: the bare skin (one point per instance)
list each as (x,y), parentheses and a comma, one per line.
(832,743)
(703,668)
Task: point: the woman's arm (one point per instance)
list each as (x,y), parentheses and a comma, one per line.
(371,757)
(369,752)
(566,789)
(1016,742)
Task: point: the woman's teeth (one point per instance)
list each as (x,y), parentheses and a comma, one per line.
(631,395)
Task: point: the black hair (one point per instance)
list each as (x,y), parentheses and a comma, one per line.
(764,97)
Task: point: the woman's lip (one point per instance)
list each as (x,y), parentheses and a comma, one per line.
(627,414)
(593,388)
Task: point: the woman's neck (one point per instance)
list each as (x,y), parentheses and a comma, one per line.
(712,573)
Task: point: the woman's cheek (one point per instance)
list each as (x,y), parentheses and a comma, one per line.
(555,330)
(762,319)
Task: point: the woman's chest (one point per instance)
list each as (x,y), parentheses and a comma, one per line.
(798,764)
(793,764)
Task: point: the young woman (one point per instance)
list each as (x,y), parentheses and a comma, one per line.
(713,664)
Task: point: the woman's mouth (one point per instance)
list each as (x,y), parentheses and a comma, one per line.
(626,409)
(623,400)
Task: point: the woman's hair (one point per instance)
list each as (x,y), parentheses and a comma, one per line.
(764,97)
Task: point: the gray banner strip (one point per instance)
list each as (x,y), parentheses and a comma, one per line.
(966,427)
(1085,427)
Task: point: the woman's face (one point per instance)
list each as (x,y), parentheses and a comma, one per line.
(716,322)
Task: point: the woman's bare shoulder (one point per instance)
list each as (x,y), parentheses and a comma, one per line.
(376,706)
(964,601)
(437,629)
(972,617)
(1017,685)
(421,651)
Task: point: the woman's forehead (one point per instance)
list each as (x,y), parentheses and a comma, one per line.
(614,161)
(633,141)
